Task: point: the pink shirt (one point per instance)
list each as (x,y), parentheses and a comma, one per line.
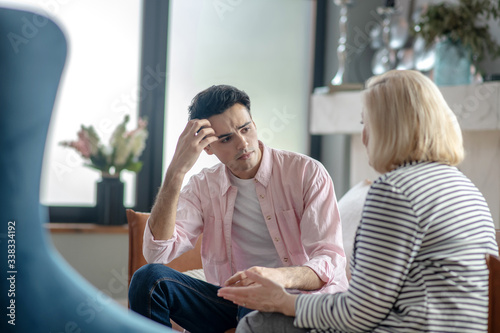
(299,207)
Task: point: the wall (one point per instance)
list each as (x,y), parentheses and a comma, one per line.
(102,259)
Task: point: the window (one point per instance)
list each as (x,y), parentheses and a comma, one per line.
(100,85)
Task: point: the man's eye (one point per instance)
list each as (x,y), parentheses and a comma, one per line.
(226,139)
(245,129)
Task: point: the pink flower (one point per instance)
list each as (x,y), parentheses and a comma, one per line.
(141,125)
(82,145)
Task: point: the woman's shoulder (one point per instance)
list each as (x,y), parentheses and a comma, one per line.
(428,182)
(412,173)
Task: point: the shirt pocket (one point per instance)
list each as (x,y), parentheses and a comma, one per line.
(289,225)
(213,245)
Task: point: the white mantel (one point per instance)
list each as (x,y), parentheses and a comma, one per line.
(478,111)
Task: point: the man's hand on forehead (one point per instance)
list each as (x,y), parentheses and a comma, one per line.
(201,127)
(199,130)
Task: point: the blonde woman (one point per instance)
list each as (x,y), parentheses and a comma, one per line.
(419,253)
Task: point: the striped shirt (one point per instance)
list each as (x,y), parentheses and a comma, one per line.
(419,258)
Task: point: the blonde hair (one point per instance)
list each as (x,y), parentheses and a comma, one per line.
(408,120)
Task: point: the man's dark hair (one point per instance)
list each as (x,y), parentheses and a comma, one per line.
(215,100)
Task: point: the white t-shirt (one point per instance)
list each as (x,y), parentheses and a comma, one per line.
(250,237)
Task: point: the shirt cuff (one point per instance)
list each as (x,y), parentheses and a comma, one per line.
(155,250)
(149,237)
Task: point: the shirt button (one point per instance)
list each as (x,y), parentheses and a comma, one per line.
(268,217)
(276,239)
(285,259)
(261,196)
(255,180)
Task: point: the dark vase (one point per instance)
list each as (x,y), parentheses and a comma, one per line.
(110,209)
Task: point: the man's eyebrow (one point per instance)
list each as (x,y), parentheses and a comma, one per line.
(228,134)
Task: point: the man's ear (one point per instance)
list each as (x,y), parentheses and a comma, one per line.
(208,150)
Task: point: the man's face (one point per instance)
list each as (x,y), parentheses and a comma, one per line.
(238,145)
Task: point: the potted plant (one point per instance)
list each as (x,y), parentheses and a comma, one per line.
(122,153)
(462,35)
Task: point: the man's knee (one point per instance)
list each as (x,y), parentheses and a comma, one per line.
(145,279)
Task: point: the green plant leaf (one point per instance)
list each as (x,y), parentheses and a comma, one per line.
(466,22)
(134,166)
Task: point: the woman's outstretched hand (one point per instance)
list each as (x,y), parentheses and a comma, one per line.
(262,294)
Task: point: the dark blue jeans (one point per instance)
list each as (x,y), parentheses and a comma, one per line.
(161,293)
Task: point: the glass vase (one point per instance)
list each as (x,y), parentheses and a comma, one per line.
(453,66)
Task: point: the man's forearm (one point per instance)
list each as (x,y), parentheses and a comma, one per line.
(300,277)
(197,135)
(164,211)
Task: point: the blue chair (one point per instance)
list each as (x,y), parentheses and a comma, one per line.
(40,291)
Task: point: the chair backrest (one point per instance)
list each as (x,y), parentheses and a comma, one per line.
(52,296)
(494,294)
(493,263)
(497,234)
(136,224)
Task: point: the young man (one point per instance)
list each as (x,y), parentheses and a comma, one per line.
(272,211)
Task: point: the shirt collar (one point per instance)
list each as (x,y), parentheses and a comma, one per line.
(266,165)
